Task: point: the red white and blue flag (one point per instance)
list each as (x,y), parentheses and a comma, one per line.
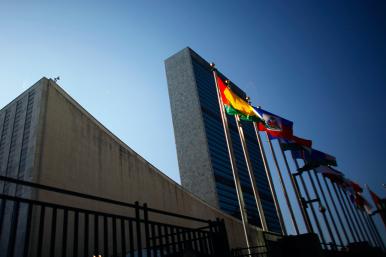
(296,143)
(274,125)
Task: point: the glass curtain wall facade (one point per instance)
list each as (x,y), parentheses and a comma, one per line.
(218,154)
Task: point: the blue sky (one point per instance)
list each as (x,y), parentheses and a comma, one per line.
(319,63)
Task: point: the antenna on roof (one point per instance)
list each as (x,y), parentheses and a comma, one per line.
(56,79)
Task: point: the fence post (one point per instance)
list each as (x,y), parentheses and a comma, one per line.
(147,235)
(138,229)
(224,243)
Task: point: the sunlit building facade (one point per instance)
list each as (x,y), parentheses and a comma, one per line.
(201,147)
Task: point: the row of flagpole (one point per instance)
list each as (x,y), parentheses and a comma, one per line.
(352,221)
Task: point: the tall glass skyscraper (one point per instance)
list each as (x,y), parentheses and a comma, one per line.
(201,147)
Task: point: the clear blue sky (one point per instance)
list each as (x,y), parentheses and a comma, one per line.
(321,64)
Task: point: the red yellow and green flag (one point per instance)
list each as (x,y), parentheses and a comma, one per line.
(235,105)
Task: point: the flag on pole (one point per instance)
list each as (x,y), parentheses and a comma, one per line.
(314,159)
(331,173)
(361,203)
(275,126)
(380,204)
(352,186)
(235,105)
(295,143)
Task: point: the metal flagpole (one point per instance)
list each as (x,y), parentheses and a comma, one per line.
(366,227)
(328,208)
(299,198)
(240,197)
(270,181)
(357,213)
(251,175)
(373,229)
(349,203)
(336,210)
(344,211)
(349,215)
(321,208)
(293,219)
(373,234)
(372,224)
(309,201)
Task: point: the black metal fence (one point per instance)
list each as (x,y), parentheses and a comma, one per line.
(32,227)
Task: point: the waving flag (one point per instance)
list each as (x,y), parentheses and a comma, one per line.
(296,143)
(352,186)
(361,202)
(314,159)
(380,204)
(235,105)
(275,126)
(331,173)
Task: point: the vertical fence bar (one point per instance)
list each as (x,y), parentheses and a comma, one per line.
(2,211)
(160,240)
(146,224)
(114,231)
(105,236)
(53,231)
(13,229)
(65,231)
(76,234)
(28,230)
(123,237)
(336,210)
(131,238)
(138,229)
(86,232)
(96,235)
(41,230)
(195,241)
(167,241)
(153,240)
(211,246)
(173,240)
(180,240)
(283,187)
